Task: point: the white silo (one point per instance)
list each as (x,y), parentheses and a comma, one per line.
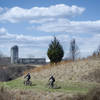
(14,54)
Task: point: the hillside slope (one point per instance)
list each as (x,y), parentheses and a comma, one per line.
(76,79)
(83,70)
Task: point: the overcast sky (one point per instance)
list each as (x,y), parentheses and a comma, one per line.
(31,24)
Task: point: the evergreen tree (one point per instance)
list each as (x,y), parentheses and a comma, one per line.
(55,51)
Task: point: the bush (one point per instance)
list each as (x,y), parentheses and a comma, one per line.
(4,76)
(5,95)
(55,51)
(94,94)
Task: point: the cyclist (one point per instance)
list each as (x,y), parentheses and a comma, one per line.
(28,76)
(52,80)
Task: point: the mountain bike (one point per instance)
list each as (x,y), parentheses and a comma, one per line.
(55,86)
(27,83)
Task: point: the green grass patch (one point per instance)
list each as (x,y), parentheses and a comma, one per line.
(66,87)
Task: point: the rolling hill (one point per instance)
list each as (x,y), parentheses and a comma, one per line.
(76,79)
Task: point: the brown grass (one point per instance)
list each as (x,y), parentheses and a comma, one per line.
(94,94)
(81,70)
(47,66)
(5,94)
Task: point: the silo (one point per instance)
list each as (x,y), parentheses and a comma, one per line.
(14,54)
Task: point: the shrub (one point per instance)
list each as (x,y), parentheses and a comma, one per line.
(4,94)
(94,94)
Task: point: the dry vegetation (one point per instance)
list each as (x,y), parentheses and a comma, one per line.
(82,70)
(5,94)
(87,70)
(10,72)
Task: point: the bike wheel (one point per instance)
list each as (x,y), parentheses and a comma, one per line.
(25,83)
(30,83)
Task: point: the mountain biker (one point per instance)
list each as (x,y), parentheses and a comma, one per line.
(28,76)
(52,80)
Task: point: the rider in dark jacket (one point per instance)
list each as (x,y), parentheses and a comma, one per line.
(52,80)
(28,76)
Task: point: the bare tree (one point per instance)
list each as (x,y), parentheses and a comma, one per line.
(94,53)
(74,50)
(98,50)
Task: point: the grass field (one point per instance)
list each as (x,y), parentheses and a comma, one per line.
(39,86)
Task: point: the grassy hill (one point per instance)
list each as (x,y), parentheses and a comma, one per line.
(73,77)
(79,71)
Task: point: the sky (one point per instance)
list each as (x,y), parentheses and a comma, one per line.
(32,24)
